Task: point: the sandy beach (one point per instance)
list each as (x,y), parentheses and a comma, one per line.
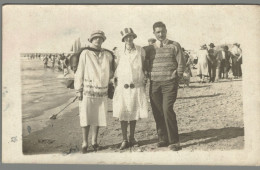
(210,117)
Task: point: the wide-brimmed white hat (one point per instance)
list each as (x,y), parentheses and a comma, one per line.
(126,32)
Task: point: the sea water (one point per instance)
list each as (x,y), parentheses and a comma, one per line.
(41,88)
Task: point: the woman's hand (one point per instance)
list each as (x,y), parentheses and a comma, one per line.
(80,95)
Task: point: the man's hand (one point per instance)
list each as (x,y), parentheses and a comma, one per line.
(80,95)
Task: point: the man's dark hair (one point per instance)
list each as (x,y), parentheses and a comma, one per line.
(159,24)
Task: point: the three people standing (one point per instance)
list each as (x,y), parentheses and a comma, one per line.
(163,62)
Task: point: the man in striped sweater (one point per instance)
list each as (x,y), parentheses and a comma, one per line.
(166,65)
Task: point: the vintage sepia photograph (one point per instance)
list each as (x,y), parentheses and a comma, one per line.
(91,81)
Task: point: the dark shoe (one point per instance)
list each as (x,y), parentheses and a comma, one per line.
(84,149)
(162,144)
(95,147)
(124,145)
(175,147)
(133,142)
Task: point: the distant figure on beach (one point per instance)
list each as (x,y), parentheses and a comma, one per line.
(45,61)
(151,42)
(221,55)
(129,102)
(236,60)
(91,84)
(64,64)
(203,58)
(53,61)
(212,65)
(226,62)
(166,67)
(187,72)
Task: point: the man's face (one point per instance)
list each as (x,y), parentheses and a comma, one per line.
(97,41)
(160,33)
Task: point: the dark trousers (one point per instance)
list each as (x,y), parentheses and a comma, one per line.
(239,70)
(222,69)
(235,67)
(226,70)
(163,95)
(212,71)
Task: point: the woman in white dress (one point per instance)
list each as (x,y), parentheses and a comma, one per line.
(203,58)
(91,84)
(129,102)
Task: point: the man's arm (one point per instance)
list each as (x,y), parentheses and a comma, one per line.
(180,60)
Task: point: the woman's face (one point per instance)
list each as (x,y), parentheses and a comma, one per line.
(97,41)
(129,39)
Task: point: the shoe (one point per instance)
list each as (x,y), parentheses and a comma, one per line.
(124,145)
(84,148)
(95,147)
(175,147)
(133,142)
(162,144)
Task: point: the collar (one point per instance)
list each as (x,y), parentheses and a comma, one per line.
(158,43)
(133,49)
(93,49)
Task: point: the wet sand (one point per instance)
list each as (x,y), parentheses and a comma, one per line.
(210,117)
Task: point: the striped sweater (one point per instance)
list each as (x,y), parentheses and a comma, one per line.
(165,63)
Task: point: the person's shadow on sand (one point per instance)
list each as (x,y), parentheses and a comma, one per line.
(200,96)
(210,135)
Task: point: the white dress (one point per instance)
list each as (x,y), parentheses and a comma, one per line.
(130,103)
(203,62)
(92,77)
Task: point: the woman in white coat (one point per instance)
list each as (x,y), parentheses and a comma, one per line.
(91,84)
(129,102)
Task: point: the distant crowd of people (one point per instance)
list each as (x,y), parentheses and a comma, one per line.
(60,62)
(217,64)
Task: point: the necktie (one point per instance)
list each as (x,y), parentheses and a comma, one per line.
(161,44)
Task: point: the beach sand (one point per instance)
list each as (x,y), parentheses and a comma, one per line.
(210,117)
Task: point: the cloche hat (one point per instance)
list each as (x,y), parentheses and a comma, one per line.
(97,33)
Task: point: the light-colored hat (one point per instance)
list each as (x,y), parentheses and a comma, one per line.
(126,32)
(97,33)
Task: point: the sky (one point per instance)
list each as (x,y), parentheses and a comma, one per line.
(54,28)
